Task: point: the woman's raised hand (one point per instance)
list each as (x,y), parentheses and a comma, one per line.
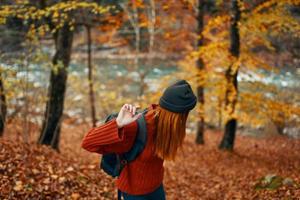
(127,115)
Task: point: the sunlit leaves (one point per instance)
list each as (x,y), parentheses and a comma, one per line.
(269,19)
(59,14)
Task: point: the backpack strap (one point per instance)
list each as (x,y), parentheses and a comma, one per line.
(113,163)
(110,117)
(140,140)
(119,194)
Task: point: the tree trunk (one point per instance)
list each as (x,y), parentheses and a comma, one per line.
(151,13)
(219,108)
(200,67)
(151,26)
(137,31)
(90,76)
(231,93)
(133,17)
(2,106)
(26,132)
(56,92)
(136,59)
(280,129)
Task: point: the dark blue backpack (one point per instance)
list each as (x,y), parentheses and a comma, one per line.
(113,163)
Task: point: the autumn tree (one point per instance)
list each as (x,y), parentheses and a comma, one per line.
(231,93)
(90,76)
(3,106)
(141,17)
(54,109)
(53,115)
(257,25)
(90,21)
(9,43)
(57,20)
(200,67)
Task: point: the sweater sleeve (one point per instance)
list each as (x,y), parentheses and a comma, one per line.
(108,138)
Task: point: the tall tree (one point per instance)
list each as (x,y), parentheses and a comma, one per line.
(231,93)
(2,106)
(57,19)
(200,67)
(90,75)
(151,22)
(132,10)
(56,91)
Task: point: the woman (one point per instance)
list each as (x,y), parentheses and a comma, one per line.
(142,178)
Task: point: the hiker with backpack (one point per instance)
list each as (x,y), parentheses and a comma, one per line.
(135,144)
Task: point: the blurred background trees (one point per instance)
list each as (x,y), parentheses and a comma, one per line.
(77,61)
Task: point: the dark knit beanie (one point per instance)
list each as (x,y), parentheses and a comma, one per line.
(178,97)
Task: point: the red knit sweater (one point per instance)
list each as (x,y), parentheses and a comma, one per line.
(145,173)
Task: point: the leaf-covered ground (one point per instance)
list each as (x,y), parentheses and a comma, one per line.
(30,171)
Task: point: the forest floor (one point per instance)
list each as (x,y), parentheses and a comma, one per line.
(30,171)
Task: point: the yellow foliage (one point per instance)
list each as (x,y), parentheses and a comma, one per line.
(256,108)
(59,13)
(270,18)
(215,23)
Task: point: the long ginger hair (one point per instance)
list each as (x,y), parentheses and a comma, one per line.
(170,132)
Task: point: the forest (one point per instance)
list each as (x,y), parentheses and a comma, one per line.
(67,64)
